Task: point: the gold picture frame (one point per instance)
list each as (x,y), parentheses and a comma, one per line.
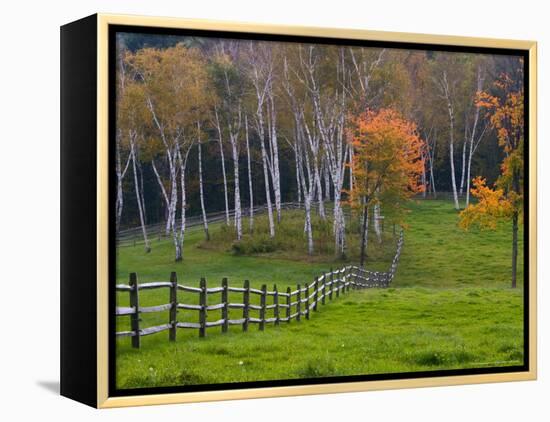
(99,216)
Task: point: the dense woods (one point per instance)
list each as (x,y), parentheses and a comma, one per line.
(207,124)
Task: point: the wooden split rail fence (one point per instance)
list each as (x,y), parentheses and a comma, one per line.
(286,306)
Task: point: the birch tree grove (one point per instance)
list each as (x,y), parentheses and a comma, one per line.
(261,75)
(208,128)
(173,85)
(328,97)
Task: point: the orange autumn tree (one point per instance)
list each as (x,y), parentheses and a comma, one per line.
(387,163)
(503,201)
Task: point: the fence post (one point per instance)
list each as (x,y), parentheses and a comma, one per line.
(306,294)
(338,285)
(276,303)
(298,303)
(316,293)
(174,305)
(288,300)
(225,309)
(202,312)
(331,284)
(246,302)
(134,318)
(262,307)
(324,289)
(348,278)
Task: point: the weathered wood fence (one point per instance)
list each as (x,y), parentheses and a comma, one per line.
(286,305)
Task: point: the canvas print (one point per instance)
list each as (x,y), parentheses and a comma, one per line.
(296,211)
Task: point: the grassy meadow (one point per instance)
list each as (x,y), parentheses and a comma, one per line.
(450,305)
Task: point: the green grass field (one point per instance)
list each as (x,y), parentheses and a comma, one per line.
(450,306)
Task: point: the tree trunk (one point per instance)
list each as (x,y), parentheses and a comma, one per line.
(180,239)
(515,224)
(298,186)
(121,173)
(432,176)
(447,95)
(201,189)
(267,190)
(469,176)
(250,190)
(377,217)
(238,211)
(165,196)
(515,219)
(462,173)
(319,190)
(309,231)
(276,176)
(218,126)
(364,235)
(140,205)
(452,160)
(424,179)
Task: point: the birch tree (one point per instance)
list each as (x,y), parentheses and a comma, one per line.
(250,183)
(306,145)
(230,86)
(121,136)
(474,132)
(222,159)
(201,188)
(174,83)
(261,75)
(323,71)
(130,124)
(446,89)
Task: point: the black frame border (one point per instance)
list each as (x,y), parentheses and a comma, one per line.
(114,29)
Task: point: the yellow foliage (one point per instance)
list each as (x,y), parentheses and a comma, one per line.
(492,205)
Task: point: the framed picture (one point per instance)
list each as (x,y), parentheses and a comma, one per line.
(254,211)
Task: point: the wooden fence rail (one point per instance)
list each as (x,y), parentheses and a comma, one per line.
(302,300)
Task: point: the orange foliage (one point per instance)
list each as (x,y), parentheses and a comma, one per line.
(506,116)
(387,157)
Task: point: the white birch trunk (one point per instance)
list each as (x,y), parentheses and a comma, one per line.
(179,238)
(308,188)
(201,189)
(326,174)
(250,189)
(139,201)
(164,195)
(320,200)
(222,157)
(121,173)
(450,109)
(267,190)
(298,184)
(463,170)
(475,140)
(377,217)
(275,154)
(238,211)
